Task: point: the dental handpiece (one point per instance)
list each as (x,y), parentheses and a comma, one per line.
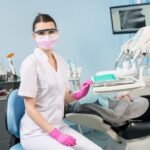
(71,72)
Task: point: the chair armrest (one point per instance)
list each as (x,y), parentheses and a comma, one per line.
(94,122)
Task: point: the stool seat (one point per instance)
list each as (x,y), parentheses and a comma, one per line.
(17,147)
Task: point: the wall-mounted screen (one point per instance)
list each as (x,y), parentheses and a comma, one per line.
(129,18)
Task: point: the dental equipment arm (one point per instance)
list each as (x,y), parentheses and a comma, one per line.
(124,52)
(74,75)
(136,46)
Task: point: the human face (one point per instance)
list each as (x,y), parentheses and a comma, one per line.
(45,35)
(44,28)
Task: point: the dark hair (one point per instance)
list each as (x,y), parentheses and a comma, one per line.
(43,18)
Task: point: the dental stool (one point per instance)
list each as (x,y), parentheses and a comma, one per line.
(14,112)
(134,134)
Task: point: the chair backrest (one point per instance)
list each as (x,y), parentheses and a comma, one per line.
(15,111)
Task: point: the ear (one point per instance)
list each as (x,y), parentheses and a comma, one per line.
(33,36)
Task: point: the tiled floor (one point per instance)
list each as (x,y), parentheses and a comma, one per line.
(96,136)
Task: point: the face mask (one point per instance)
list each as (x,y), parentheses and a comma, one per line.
(47,42)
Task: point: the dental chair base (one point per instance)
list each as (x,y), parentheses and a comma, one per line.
(135,144)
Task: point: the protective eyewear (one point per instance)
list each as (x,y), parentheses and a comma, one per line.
(49,32)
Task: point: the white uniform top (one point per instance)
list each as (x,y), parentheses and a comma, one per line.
(39,80)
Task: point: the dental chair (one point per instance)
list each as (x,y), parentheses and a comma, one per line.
(134,134)
(14,112)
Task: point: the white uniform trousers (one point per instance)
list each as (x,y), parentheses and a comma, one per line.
(45,142)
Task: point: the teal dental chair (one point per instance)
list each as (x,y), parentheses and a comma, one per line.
(14,112)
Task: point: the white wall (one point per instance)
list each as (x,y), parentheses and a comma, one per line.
(84,25)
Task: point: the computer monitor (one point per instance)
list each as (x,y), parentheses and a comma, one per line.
(129,18)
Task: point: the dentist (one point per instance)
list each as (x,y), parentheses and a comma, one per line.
(44,86)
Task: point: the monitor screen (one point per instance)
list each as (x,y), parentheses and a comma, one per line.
(129,18)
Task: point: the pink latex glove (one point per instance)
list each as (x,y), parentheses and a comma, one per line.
(64,139)
(77,95)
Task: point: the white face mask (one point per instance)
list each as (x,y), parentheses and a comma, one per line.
(47,42)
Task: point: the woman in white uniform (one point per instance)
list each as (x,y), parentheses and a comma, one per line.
(45,89)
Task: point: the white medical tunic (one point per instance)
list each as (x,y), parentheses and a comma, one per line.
(41,81)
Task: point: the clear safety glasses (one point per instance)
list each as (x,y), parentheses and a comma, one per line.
(49,32)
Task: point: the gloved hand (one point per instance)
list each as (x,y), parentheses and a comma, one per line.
(83,91)
(64,139)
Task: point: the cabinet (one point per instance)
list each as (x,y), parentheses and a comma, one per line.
(4,135)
